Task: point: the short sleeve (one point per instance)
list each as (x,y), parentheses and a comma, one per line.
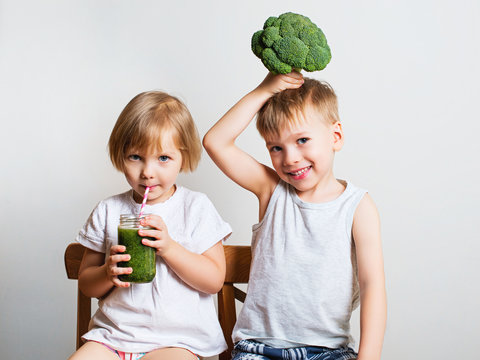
(208,227)
(93,233)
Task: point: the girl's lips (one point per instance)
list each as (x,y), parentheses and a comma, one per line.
(150,187)
(300,174)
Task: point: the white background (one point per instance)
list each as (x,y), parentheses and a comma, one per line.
(407,77)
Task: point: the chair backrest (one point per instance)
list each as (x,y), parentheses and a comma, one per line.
(238,267)
(73,258)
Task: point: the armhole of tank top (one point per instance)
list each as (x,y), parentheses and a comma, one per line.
(358,196)
(270,205)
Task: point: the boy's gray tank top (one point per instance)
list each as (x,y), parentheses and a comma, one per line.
(303,279)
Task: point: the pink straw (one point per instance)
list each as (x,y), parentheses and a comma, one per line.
(144,201)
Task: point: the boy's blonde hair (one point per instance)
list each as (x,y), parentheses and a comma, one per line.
(284,108)
(142,122)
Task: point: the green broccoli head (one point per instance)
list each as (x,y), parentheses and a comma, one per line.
(291,42)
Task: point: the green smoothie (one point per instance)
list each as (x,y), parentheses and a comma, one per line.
(142,258)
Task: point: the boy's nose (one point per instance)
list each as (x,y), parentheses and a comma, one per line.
(292,156)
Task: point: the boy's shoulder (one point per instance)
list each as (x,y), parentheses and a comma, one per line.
(284,189)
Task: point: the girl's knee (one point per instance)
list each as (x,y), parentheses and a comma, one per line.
(172,353)
(93,351)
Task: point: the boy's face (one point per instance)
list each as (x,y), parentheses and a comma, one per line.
(155,169)
(302,155)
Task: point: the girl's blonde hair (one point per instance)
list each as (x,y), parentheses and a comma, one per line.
(285,108)
(143,121)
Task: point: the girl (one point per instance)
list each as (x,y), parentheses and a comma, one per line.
(172,317)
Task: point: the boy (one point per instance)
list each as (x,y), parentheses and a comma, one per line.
(317,247)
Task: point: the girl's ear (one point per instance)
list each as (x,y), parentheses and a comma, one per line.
(337,136)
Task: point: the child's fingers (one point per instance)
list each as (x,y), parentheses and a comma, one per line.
(156,234)
(114,259)
(118,283)
(115,271)
(153,221)
(115,249)
(116,256)
(151,243)
(294,78)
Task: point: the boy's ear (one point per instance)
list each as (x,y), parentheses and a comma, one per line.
(337,136)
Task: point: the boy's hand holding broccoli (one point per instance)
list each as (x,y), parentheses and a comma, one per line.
(275,83)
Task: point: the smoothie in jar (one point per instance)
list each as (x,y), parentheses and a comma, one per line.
(142,258)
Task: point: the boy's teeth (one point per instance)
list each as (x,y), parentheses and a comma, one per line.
(299,172)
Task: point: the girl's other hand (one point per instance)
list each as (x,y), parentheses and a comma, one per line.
(113,270)
(277,83)
(159,232)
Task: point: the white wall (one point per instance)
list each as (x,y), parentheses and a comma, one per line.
(407,77)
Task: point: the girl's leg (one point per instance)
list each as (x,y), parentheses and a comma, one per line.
(170,354)
(93,351)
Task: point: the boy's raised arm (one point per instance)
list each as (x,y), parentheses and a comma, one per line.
(219,141)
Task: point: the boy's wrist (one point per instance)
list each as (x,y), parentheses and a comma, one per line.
(262,92)
(259,96)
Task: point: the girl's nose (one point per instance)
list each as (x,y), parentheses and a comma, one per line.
(147,171)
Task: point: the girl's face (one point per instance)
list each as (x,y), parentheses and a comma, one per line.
(303,154)
(158,170)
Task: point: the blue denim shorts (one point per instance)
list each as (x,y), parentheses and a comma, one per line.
(253,350)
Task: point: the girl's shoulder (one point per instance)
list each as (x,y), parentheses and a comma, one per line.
(121,197)
(191,197)
(118,202)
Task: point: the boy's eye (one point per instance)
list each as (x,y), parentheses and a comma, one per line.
(163,158)
(275,149)
(134,157)
(302,140)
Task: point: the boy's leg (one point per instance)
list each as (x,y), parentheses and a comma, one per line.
(93,351)
(170,354)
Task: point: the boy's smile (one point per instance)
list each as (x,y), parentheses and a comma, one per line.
(300,174)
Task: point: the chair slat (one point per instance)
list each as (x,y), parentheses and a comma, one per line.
(238,260)
(238,263)
(73,258)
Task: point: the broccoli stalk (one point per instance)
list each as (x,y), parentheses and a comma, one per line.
(291,42)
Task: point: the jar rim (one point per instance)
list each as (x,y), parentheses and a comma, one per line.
(133,216)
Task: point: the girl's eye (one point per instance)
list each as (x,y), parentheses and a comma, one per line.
(134,157)
(275,149)
(163,158)
(302,140)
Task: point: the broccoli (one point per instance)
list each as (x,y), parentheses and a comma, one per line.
(291,42)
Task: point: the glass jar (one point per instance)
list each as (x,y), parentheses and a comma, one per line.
(142,258)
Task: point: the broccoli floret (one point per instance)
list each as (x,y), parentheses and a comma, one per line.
(291,42)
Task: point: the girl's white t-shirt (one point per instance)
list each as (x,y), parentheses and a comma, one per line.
(166,312)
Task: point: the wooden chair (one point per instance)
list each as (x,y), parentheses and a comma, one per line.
(73,258)
(238,267)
